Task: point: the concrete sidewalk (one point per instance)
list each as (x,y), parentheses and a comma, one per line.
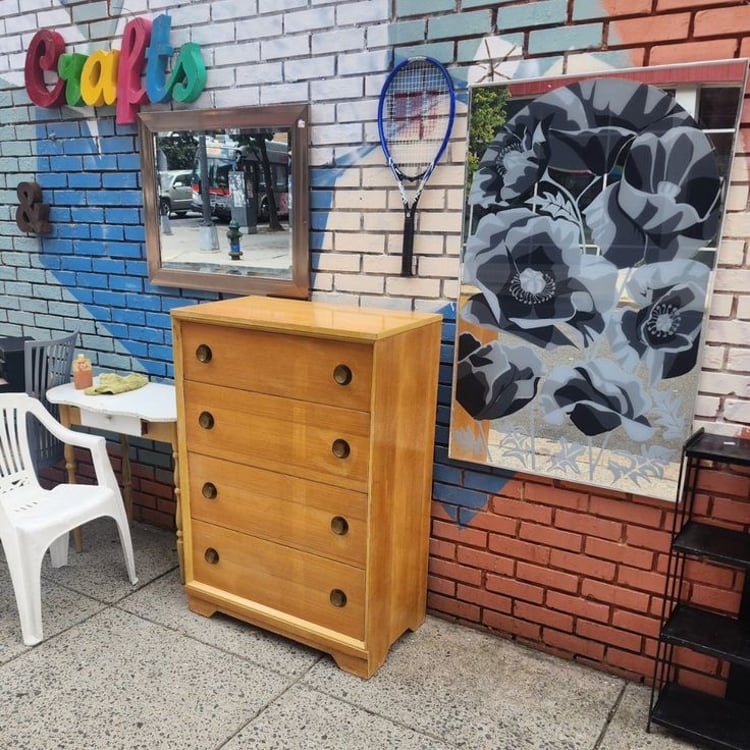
(132,667)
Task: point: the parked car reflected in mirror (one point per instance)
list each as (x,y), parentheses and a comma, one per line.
(175,192)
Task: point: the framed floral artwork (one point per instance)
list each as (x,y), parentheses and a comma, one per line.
(593,218)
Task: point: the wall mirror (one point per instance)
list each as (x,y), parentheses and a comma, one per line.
(226,199)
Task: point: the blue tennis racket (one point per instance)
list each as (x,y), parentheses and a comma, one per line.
(415,118)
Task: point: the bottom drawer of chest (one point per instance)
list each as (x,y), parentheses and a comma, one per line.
(324,592)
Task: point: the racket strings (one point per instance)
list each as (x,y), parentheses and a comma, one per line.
(416,114)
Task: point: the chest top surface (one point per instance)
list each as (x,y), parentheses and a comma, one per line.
(324,320)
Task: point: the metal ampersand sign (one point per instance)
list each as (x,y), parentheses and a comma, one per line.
(32,214)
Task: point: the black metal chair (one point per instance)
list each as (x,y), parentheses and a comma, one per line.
(46,364)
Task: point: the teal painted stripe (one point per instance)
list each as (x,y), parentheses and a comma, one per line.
(462,24)
(540,13)
(586,36)
(423,7)
(441,51)
(585,9)
(406,32)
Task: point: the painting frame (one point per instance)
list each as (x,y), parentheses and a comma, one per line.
(594,213)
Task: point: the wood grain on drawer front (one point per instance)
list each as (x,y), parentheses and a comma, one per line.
(312,516)
(284,435)
(289,580)
(327,372)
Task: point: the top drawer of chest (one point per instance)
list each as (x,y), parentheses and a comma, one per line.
(293,366)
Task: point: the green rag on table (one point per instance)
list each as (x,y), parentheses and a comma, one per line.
(111,383)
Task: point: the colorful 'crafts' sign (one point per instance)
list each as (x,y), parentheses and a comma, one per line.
(115,77)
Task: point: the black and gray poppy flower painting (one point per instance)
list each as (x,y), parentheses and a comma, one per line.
(592,224)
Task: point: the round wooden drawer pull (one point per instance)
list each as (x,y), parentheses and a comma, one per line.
(339,525)
(206,420)
(338,598)
(340,448)
(209,491)
(211,556)
(203,353)
(342,374)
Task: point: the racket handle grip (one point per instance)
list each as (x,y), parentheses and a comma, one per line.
(407,252)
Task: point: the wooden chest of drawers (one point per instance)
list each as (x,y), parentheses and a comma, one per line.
(305,453)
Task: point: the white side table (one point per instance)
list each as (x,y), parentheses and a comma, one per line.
(149,412)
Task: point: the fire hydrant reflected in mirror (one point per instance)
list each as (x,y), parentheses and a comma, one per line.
(233,235)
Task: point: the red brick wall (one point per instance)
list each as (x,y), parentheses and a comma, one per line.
(679,31)
(151,475)
(577,573)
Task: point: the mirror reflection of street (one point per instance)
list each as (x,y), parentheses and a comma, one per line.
(262,251)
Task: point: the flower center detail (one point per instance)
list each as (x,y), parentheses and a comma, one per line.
(509,148)
(532,286)
(663,321)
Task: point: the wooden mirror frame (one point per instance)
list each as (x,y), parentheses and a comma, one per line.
(291,117)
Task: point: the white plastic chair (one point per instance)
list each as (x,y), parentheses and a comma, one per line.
(33,519)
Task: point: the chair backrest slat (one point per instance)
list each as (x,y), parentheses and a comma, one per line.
(14,455)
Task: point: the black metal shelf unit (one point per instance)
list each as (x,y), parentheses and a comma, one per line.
(714,722)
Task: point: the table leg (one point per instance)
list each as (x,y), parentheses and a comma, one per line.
(127,477)
(161,432)
(70,465)
(178,509)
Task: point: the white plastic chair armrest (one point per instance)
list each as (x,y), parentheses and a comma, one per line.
(95,444)
(65,434)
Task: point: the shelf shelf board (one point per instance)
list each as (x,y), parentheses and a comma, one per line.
(712,447)
(719,544)
(709,633)
(715,722)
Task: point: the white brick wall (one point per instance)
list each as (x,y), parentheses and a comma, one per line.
(335,55)
(738,360)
